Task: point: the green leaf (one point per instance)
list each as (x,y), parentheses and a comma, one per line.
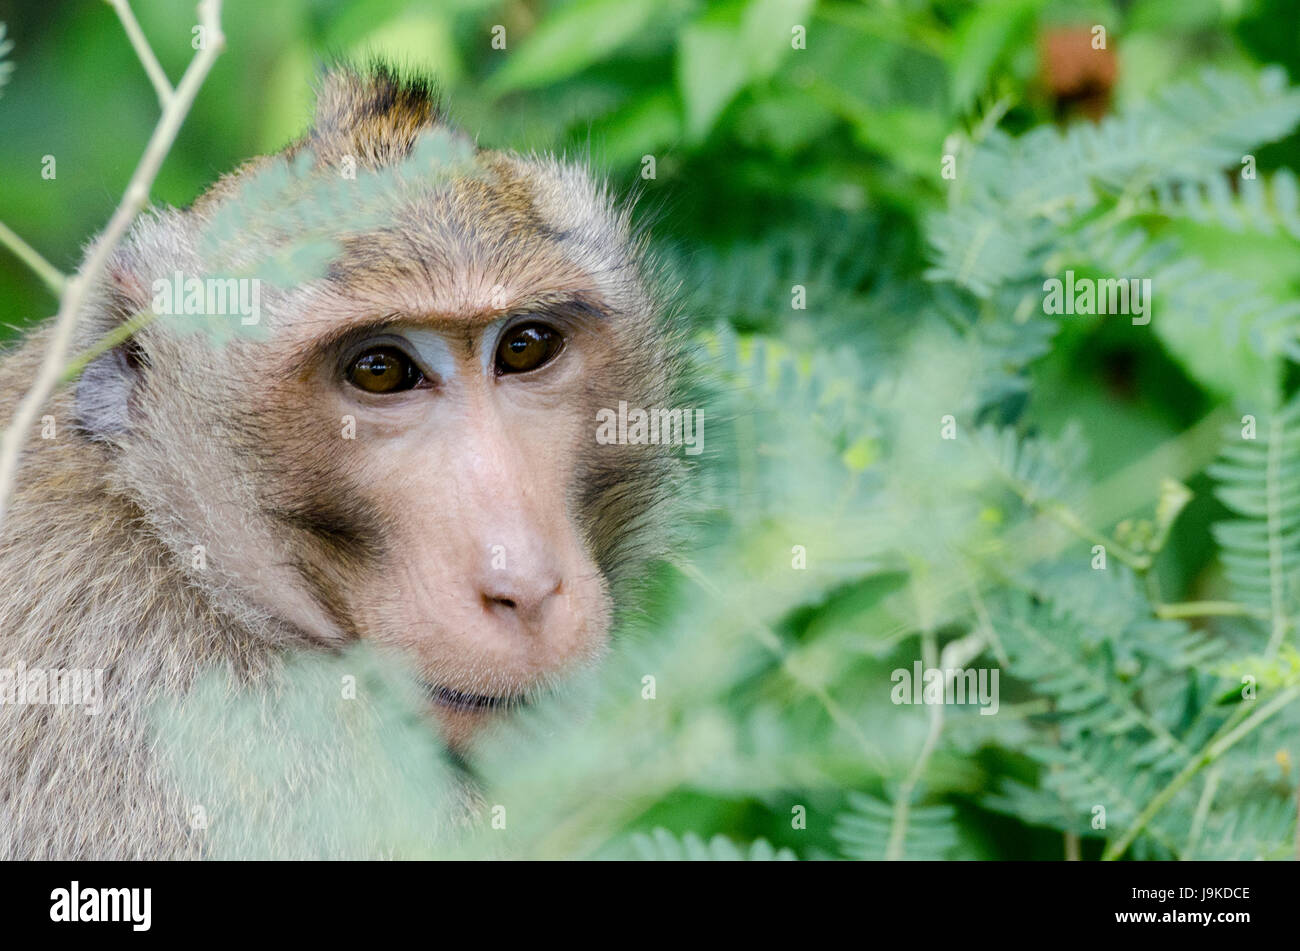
(569,40)
(710,70)
(662,846)
(765,32)
(863,832)
(982,38)
(1258,477)
(640,128)
(728,48)
(5,47)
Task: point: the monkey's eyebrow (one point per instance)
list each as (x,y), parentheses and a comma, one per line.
(338,339)
(574,305)
(580,306)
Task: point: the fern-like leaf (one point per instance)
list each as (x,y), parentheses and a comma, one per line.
(662,846)
(863,832)
(6,68)
(1018,193)
(1262,205)
(1259,480)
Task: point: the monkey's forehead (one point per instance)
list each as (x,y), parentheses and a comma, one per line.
(394,292)
(455,241)
(497,194)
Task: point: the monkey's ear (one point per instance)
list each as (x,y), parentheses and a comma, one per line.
(107,384)
(371,114)
(104,391)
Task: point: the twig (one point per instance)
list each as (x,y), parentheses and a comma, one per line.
(1184,609)
(123,331)
(769,639)
(1273,504)
(47,272)
(1216,747)
(896,847)
(1203,809)
(956,655)
(1066,516)
(137,193)
(1071,840)
(150,62)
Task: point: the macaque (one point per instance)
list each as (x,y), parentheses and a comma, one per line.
(397,449)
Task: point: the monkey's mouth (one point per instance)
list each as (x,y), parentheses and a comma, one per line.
(470,702)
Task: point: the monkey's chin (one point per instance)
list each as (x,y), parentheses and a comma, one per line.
(462,715)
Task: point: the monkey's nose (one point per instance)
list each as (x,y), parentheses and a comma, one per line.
(524,599)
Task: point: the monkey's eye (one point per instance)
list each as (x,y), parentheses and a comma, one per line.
(384,370)
(526,347)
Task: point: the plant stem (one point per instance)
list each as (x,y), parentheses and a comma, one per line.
(1203,809)
(74,294)
(769,639)
(1220,743)
(1276,579)
(121,332)
(150,62)
(903,803)
(1066,517)
(1207,609)
(54,278)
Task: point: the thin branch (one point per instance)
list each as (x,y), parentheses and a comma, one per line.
(47,272)
(1276,581)
(150,62)
(897,844)
(1070,839)
(122,332)
(985,623)
(769,639)
(956,655)
(137,193)
(1073,847)
(1184,609)
(1219,744)
(1203,809)
(1064,515)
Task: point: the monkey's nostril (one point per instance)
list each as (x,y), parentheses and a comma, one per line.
(519,600)
(491,601)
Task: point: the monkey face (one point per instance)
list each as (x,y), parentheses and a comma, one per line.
(408,455)
(454,501)
(425,477)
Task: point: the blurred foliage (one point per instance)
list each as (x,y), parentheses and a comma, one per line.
(1123,722)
